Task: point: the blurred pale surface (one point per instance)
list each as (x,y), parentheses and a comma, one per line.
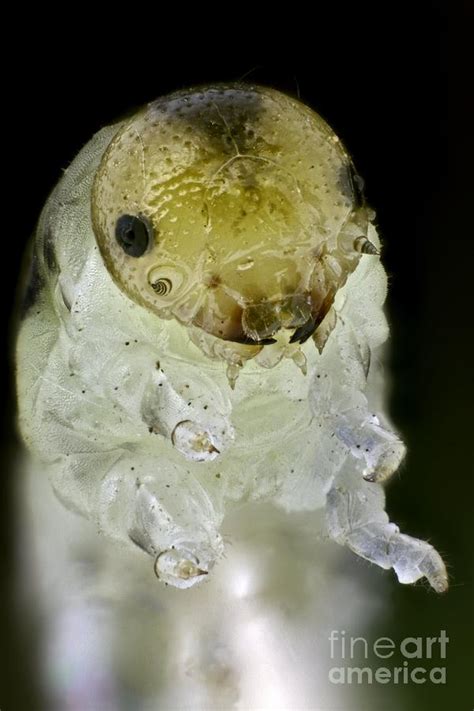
(255,636)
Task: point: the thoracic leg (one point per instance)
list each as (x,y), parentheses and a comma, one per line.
(356,518)
(156,506)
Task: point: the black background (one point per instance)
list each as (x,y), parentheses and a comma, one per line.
(395,83)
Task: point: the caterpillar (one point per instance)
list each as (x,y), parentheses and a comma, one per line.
(203,326)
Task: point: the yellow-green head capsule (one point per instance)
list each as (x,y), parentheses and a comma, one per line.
(232,209)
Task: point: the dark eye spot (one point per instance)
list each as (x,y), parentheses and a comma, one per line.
(133,233)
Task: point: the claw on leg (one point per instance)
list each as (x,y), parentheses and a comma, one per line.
(377,451)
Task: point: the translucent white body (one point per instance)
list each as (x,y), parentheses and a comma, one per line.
(144,435)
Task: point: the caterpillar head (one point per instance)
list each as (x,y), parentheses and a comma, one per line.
(233,209)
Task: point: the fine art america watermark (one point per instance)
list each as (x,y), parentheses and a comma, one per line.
(423,659)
